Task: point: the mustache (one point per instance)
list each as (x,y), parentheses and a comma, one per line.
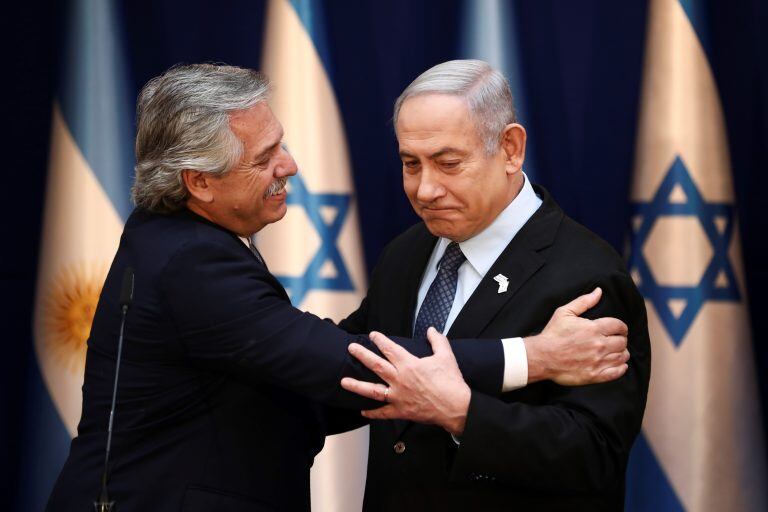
(276,187)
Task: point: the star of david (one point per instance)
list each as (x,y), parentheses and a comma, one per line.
(328,231)
(717,283)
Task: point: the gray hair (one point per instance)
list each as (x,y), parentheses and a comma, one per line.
(485,90)
(182,119)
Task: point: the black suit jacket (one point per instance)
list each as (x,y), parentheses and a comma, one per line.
(543,447)
(216,404)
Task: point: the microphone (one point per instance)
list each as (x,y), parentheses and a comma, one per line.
(103,503)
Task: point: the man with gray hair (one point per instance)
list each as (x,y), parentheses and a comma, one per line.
(222,381)
(494,254)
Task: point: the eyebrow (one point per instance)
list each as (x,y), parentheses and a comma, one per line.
(437,154)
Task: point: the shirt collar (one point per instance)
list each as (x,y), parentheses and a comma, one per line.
(483,249)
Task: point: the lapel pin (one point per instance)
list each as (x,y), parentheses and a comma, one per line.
(503,282)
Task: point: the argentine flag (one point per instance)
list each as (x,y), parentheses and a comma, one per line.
(316,250)
(701,446)
(87,201)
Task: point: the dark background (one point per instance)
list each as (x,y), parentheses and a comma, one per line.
(581,65)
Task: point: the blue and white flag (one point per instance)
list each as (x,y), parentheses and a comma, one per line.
(87,200)
(701,446)
(489,33)
(316,250)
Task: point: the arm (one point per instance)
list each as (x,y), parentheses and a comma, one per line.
(579,440)
(230,317)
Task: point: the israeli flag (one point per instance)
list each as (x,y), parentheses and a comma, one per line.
(701,446)
(489,33)
(316,249)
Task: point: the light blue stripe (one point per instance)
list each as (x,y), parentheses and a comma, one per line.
(312,16)
(489,34)
(96,99)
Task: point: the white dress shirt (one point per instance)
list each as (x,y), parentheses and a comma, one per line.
(482,250)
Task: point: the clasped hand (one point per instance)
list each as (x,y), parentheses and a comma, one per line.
(429,390)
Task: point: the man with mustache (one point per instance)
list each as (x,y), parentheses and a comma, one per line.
(494,254)
(222,380)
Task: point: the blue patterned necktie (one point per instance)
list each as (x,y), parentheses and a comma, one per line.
(439,299)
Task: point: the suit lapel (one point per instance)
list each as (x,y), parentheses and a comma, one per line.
(413,271)
(517,264)
(520,260)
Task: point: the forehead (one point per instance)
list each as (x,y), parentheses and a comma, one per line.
(434,119)
(257,127)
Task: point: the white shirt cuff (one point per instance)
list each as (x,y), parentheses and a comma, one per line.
(515,364)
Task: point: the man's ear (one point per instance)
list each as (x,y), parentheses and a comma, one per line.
(198,184)
(513,143)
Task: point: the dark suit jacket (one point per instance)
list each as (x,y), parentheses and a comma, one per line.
(216,404)
(543,447)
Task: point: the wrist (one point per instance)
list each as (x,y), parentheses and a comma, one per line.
(457,418)
(537,368)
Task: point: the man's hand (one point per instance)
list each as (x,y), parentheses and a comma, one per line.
(430,390)
(574,351)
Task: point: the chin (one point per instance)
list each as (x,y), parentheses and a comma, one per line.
(279,213)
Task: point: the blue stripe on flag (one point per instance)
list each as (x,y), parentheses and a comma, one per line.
(312,17)
(647,485)
(696,10)
(95,98)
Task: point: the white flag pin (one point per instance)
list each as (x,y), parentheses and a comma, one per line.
(503,282)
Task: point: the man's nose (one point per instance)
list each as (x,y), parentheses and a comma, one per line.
(430,187)
(287,165)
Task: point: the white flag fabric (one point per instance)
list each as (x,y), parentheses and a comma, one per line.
(701,433)
(315,250)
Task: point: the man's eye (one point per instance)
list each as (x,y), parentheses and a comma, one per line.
(411,164)
(450,164)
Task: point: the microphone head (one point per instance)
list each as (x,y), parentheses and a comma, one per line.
(126,291)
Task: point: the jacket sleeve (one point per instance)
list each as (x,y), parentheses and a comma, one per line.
(580,439)
(231,316)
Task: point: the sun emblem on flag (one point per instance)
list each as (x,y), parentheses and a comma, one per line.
(68,313)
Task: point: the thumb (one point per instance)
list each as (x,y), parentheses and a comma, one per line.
(439,342)
(581,304)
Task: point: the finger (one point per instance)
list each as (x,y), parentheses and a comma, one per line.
(614,343)
(373,362)
(391,350)
(609,326)
(440,343)
(611,373)
(615,358)
(581,304)
(387,412)
(370,390)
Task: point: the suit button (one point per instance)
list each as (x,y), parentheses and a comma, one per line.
(399,447)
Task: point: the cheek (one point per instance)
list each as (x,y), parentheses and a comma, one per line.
(410,186)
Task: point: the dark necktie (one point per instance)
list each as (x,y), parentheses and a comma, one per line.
(439,299)
(256,252)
